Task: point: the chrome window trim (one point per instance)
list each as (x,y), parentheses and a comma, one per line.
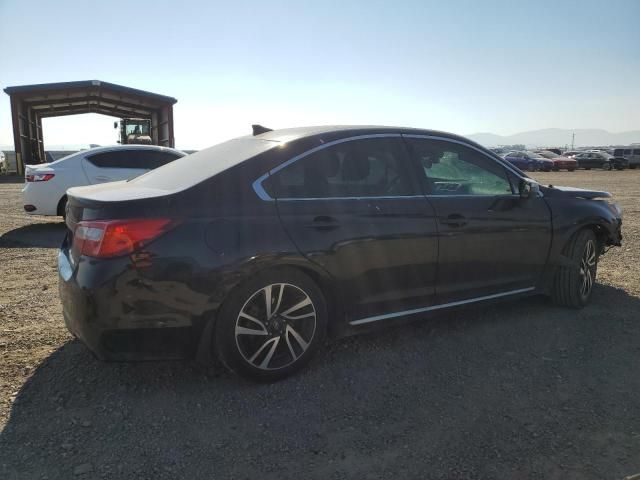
(388,316)
(263,195)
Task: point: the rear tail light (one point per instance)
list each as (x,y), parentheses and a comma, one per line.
(39,177)
(113,238)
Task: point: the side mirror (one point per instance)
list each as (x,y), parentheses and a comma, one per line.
(115,124)
(528,189)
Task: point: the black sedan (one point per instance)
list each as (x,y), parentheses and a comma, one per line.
(603,160)
(254,249)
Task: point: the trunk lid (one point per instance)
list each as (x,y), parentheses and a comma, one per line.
(113,201)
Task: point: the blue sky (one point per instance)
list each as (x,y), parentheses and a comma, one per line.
(462,66)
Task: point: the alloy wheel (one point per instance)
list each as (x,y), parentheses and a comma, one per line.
(587,269)
(275,326)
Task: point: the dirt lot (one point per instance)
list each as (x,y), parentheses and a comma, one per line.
(517,390)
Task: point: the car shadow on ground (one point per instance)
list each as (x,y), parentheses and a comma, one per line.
(11,179)
(514,390)
(35,235)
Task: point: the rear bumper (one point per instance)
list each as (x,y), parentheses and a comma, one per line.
(38,198)
(106,306)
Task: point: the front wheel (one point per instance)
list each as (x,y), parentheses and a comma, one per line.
(271,326)
(530,167)
(606,166)
(573,283)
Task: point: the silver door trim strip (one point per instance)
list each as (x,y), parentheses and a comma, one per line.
(380,197)
(261,192)
(438,307)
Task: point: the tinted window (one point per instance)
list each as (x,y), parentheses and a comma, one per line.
(361,168)
(142,159)
(452,169)
(627,152)
(618,152)
(636,152)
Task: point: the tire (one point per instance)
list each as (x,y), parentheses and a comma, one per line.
(62,208)
(283,340)
(573,283)
(571,169)
(530,167)
(606,166)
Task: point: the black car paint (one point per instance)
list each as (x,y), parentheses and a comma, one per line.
(161,302)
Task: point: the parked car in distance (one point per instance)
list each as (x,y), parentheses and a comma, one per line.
(572,153)
(557,151)
(529,161)
(560,162)
(46,184)
(254,249)
(629,154)
(4,164)
(598,159)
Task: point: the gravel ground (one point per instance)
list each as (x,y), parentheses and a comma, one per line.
(516,390)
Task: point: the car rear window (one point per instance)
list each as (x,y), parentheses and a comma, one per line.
(197,167)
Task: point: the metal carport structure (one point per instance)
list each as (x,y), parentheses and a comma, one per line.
(31,103)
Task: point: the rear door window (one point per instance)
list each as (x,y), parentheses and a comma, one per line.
(114,159)
(361,168)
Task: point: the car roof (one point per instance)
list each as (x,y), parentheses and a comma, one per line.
(213,160)
(289,134)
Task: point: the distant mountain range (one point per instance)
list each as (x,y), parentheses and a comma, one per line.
(558,137)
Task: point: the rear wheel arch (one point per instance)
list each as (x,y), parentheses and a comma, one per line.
(205,350)
(221,330)
(322,280)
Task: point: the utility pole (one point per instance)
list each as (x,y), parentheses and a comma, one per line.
(573,139)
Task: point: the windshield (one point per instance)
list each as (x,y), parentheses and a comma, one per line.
(535,155)
(137,128)
(547,154)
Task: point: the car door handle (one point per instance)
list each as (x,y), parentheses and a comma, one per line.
(323,222)
(454,220)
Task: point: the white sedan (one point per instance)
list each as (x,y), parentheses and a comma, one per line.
(45,190)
